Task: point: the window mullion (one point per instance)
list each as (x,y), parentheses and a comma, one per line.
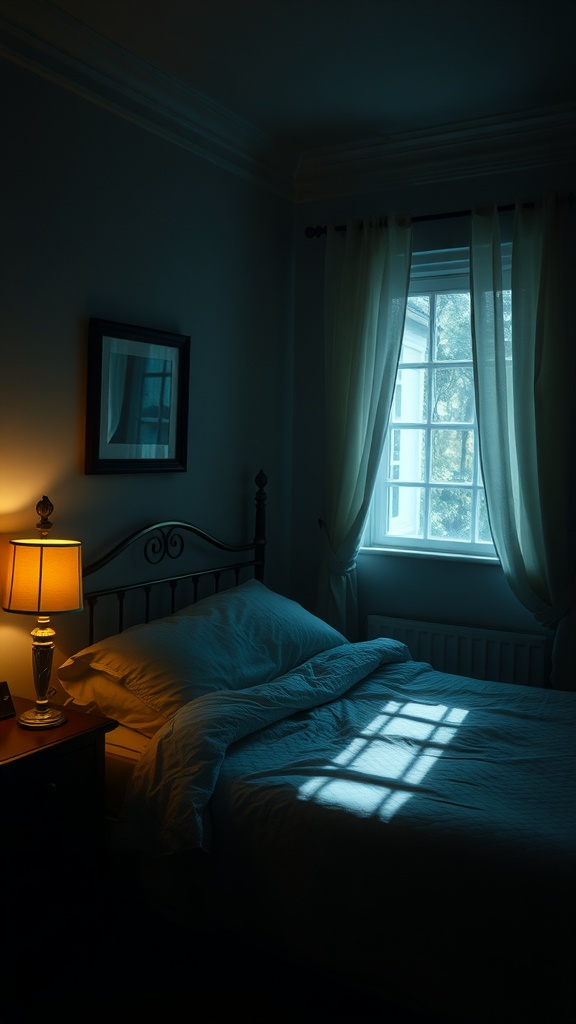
(429,408)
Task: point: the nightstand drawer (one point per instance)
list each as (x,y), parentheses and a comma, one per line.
(56,802)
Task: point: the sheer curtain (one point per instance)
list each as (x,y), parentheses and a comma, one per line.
(366,286)
(525,412)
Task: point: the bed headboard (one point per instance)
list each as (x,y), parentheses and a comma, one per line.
(153,547)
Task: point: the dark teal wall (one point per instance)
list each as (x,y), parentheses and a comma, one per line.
(104,218)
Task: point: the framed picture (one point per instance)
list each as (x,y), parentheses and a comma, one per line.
(137,399)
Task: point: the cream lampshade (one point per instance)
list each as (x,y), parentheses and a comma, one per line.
(44,579)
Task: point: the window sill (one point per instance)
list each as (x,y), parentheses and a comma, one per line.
(452,556)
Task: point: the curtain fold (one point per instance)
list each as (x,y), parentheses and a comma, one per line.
(367,274)
(525,383)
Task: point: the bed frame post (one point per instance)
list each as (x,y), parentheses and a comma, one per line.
(260,526)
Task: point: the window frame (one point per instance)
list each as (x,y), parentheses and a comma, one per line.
(438,271)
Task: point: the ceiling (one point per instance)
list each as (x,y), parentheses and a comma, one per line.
(321,98)
(316,73)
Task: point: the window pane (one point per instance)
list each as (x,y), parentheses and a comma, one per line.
(507,314)
(407,455)
(453,337)
(450,513)
(415,340)
(452,456)
(410,397)
(453,395)
(420,304)
(406,512)
(482,526)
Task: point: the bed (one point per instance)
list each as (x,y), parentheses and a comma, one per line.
(411,832)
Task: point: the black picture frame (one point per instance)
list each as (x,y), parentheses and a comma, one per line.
(136,400)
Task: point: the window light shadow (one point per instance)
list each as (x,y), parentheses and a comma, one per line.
(386,762)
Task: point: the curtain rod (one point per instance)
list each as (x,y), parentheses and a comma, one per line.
(320,229)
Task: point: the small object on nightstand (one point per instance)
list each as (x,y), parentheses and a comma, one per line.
(6,705)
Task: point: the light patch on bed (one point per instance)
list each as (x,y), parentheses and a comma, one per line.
(381,768)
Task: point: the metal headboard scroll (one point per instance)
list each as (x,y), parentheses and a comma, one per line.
(166,540)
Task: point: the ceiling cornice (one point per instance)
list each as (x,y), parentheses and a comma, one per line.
(467,149)
(46,41)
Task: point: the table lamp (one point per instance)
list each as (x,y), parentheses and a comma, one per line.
(44,579)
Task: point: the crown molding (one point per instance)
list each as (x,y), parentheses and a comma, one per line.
(467,149)
(47,41)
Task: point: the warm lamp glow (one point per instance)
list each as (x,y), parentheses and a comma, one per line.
(44,578)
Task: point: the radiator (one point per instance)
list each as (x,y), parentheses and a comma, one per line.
(467,651)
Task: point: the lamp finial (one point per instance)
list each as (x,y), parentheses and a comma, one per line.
(44,508)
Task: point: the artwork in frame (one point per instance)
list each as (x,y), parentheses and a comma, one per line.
(137,399)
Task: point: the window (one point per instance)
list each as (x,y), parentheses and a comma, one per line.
(145,412)
(429,493)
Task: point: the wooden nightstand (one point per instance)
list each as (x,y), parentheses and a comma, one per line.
(52,845)
(51,793)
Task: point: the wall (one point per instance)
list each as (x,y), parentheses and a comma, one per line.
(450,590)
(103,218)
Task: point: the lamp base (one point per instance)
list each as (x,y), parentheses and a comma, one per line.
(44,718)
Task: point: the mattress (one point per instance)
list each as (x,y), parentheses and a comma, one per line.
(124,747)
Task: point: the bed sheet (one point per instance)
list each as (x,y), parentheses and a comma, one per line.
(488,765)
(419,836)
(387,820)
